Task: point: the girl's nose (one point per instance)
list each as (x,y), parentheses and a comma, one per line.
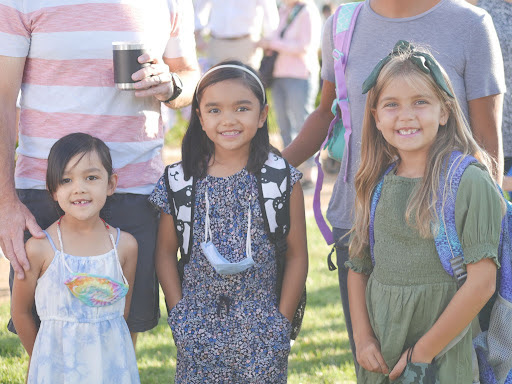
(228,119)
(406,113)
(79,187)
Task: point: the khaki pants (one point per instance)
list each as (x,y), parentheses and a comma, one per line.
(243,49)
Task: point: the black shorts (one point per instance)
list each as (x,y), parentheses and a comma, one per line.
(131,213)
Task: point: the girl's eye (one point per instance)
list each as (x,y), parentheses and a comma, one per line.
(421,102)
(92,177)
(214,110)
(390,105)
(242,109)
(65,181)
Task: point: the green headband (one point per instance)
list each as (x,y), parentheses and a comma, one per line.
(422,60)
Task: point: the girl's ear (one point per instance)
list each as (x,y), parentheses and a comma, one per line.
(112,184)
(445,114)
(263,116)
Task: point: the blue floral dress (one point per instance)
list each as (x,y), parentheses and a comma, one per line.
(227,328)
(77,343)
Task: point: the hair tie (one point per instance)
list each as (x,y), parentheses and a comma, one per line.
(422,60)
(236,67)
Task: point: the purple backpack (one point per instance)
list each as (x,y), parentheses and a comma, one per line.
(338,136)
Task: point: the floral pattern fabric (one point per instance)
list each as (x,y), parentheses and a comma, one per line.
(228,328)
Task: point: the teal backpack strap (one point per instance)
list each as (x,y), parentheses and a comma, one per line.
(274,184)
(181,195)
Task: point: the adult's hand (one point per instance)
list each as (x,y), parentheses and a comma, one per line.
(14,219)
(154,79)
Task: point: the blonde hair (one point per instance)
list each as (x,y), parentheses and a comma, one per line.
(377,155)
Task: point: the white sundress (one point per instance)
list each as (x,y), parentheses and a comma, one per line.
(77,343)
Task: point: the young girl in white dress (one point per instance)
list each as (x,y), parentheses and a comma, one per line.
(81,276)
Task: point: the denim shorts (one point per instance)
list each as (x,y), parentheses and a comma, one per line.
(131,213)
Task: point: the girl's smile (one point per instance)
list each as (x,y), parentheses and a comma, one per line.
(409,115)
(230,115)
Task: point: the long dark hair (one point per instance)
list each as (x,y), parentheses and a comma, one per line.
(197,149)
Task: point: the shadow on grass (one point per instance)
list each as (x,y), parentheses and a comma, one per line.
(322,297)
(10,346)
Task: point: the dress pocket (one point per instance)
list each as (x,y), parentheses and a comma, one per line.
(419,373)
(284,320)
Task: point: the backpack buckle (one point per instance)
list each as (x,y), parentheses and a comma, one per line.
(459,270)
(337,54)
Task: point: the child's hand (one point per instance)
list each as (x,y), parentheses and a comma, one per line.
(369,356)
(400,366)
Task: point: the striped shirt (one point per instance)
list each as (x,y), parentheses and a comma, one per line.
(68,83)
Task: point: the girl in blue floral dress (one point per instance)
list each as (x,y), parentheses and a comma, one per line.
(230,327)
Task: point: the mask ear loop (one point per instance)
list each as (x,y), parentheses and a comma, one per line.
(207,229)
(248,248)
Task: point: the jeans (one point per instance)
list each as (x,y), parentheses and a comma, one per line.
(341,257)
(294,100)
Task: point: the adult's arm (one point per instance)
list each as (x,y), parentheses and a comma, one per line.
(485,116)
(179,57)
(270,17)
(309,33)
(14,216)
(314,130)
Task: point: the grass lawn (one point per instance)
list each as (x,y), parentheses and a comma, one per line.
(321,353)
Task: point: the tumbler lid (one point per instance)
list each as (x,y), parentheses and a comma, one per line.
(125,45)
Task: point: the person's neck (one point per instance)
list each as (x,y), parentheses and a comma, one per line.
(411,165)
(397,9)
(224,165)
(82,226)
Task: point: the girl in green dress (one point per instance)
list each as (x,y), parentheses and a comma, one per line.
(409,318)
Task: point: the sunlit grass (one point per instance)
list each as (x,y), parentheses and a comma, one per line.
(321,353)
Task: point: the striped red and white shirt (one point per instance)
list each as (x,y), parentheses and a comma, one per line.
(68,82)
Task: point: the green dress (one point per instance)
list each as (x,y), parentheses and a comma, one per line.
(408,288)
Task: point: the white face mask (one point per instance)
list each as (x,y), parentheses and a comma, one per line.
(218,262)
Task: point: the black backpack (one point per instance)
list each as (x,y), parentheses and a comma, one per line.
(275,209)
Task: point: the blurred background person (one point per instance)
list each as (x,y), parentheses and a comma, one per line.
(234,27)
(501,13)
(296,70)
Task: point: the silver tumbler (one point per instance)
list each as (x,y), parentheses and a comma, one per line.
(126,63)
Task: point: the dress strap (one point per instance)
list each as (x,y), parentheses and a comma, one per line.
(114,244)
(118,236)
(50,240)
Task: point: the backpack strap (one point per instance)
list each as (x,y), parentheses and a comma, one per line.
(274,186)
(373,207)
(181,195)
(343,24)
(345,17)
(447,240)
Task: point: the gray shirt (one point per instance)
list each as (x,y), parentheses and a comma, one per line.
(501,13)
(460,36)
